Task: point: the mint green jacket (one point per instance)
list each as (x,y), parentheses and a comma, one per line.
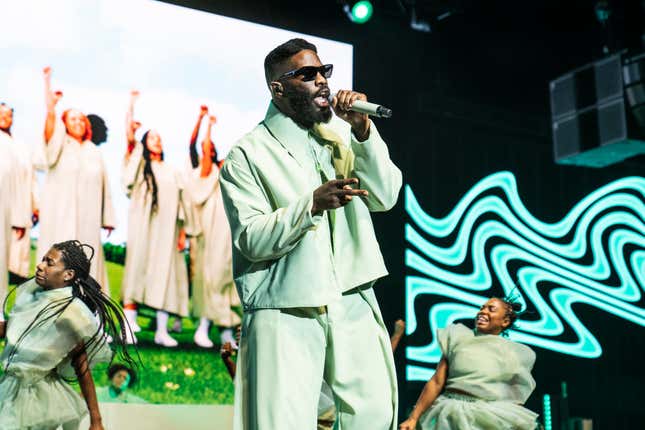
(282,255)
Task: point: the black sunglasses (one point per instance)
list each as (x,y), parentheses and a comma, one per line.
(309,73)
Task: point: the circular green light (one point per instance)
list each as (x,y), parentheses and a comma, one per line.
(362,11)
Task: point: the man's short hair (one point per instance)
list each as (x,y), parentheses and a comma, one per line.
(282,53)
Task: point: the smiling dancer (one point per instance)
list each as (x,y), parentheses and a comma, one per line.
(482,380)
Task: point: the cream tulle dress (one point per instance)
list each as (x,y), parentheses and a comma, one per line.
(33,393)
(495,371)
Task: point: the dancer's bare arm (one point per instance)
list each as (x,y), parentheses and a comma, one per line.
(85,380)
(430,392)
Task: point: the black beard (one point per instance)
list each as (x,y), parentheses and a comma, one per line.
(305,112)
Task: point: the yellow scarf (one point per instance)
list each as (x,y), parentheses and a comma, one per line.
(342,158)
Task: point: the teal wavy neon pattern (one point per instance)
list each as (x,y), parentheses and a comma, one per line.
(594,255)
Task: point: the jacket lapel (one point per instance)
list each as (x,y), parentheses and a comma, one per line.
(293,138)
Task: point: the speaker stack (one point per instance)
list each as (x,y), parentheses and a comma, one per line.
(598,112)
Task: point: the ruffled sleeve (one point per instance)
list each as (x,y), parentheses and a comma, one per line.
(77,324)
(450,336)
(522,383)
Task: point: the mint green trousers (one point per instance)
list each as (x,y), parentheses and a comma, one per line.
(285,354)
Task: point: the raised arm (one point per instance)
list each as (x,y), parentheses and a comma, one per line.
(372,163)
(430,392)
(208,150)
(131,125)
(82,369)
(51,98)
(192,149)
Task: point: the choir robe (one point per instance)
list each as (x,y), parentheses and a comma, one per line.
(76,200)
(212,273)
(155,270)
(27,196)
(10,210)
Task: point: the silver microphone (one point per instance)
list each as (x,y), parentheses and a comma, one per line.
(371,109)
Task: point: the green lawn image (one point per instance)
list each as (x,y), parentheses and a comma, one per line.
(184,375)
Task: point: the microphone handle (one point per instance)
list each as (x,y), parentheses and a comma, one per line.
(368,108)
(371,109)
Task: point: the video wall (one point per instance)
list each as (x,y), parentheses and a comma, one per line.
(487,212)
(177,58)
(593,255)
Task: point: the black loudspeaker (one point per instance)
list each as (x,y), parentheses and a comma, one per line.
(598,112)
(634,79)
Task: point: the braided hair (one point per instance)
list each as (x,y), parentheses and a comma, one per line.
(513,311)
(111,321)
(148,174)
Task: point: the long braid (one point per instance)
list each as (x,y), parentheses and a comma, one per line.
(148,174)
(513,311)
(109,314)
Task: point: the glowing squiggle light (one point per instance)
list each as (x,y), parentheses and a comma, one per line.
(560,264)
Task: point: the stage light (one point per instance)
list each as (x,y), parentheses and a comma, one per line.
(546,406)
(360,12)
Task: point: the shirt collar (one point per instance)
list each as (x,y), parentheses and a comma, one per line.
(55,293)
(290,135)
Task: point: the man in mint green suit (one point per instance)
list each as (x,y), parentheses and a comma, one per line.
(298,192)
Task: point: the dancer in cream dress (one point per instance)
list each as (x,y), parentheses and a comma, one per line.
(482,380)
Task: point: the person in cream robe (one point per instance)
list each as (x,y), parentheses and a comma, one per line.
(298,191)
(214,292)
(155,268)
(75,170)
(13,216)
(26,194)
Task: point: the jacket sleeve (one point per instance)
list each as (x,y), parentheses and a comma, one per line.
(377,173)
(261,233)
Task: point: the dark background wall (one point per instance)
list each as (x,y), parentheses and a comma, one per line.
(471,98)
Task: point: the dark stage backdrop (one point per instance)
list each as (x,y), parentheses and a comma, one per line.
(471,125)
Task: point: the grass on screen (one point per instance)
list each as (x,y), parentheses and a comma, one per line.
(186,375)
